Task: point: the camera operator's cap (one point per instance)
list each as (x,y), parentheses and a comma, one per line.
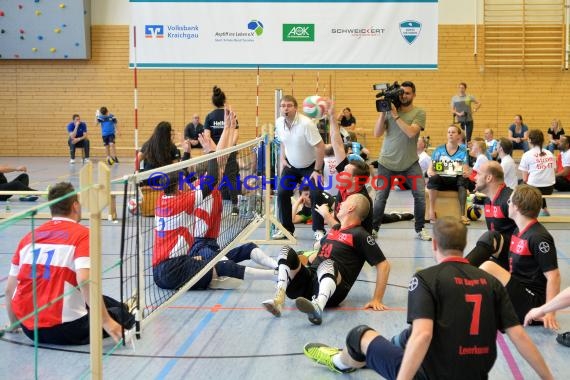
(354,157)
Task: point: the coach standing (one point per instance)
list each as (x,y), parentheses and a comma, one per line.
(302,155)
(401,128)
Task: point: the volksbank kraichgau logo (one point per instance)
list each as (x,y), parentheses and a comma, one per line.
(154,31)
(298,32)
(410,30)
(256,26)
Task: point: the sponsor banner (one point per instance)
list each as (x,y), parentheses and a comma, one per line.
(284,34)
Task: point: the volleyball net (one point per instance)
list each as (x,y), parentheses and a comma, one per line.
(180,220)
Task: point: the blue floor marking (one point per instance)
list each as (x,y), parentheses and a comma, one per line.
(186,345)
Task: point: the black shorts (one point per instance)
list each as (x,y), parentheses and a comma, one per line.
(522,298)
(109,139)
(443,183)
(306,284)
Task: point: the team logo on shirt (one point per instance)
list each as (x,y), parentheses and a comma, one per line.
(544,247)
(413,284)
(370,240)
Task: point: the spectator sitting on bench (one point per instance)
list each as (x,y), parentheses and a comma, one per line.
(518,134)
(77,130)
(449,163)
(505,149)
(491,143)
(563,165)
(555,131)
(479,152)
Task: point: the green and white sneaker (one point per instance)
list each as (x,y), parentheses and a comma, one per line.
(323,354)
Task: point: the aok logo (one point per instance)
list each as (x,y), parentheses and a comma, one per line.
(298,32)
(154,31)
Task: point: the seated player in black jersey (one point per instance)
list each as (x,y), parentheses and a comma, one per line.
(533,277)
(493,244)
(455,311)
(333,272)
(352,175)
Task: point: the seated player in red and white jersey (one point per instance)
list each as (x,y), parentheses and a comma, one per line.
(188,224)
(329,278)
(454,310)
(61,253)
(533,277)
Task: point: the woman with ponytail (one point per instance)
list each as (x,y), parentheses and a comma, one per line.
(538,167)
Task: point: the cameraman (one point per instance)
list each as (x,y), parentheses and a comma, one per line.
(401,128)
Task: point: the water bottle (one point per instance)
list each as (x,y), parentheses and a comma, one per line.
(242,205)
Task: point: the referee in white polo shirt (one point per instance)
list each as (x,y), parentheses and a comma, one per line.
(302,155)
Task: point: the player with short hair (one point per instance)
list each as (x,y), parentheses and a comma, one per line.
(329,278)
(60,249)
(77,130)
(533,277)
(495,243)
(108,124)
(455,311)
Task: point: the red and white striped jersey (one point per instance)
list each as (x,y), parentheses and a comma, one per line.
(208,215)
(181,218)
(173,220)
(61,247)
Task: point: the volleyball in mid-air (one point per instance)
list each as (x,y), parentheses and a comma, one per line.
(133,206)
(315,107)
(474,212)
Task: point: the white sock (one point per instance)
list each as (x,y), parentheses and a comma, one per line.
(258,256)
(283,276)
(258,274)
(338,362)
(327,286)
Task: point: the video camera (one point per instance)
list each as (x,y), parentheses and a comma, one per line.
(390,94)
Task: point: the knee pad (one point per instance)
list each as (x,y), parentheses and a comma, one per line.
(492,241)
(327,268)
(353,342)
(227,268)
(288,256)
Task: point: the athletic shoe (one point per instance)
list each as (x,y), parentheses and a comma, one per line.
(235,211)
(323,354)
(406,216)
(110,161)
(116,159)
(86,160)
(279,235)
(310,308)
(72,161)
(424,235)
(564,339)
(225,283)
(29,198)
(318,234)
(132,302)
(275,305)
